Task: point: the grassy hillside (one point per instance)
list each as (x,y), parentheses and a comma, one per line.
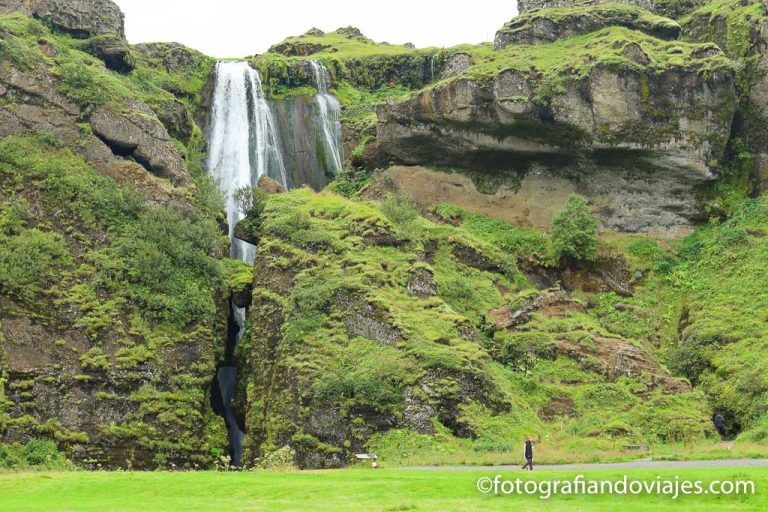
(386,322)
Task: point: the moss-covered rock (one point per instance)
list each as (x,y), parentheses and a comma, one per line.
(617,98)
(526,6)
(364,324)
(111,315)
(547,25)
(85,18)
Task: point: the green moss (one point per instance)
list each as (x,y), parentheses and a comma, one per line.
(602,14)
(340,45)
(570,60)
(94,359)
(733,24)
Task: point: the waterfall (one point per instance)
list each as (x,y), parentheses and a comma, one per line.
(244,145)
(329,109)
(244,141)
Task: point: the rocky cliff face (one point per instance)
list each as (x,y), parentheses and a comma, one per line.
(112,301)
(349,345)
(525,6)
(651,131)
(590,98)
(370,326)
(81,18)
(549,25)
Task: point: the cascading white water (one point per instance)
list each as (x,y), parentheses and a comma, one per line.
(330,116)
(244,143)
(267,153)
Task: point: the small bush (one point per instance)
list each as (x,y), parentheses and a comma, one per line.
(36,453)
(14,217)
(691,356)
(83,84)
(574,232)
(400,209)
(30,261)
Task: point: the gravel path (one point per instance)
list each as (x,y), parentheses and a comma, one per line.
(636,464)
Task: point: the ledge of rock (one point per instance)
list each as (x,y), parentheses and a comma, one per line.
(81,18)
(524,6)
(548,25)
(114,51)
(138,134)
(635,140)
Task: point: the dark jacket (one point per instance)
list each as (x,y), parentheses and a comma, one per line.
(719,421)
(528,450)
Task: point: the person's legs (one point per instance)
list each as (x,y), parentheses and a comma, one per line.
(528,464)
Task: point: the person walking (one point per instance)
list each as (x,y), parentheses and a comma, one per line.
(528,454)
(720,424)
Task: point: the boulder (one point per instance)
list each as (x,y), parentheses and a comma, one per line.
(138,134)
(80,18)
(171,56)
(456,64)
(351,32)
(421,283)
(269,185)
(114,51)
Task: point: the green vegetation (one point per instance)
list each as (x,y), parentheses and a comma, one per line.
(569,60)
(341,43)
(599,15)
(352,490)
(740,20)
(702,305)
(137,277)
(34,454)
(339,278)
(574,231)
(524,243)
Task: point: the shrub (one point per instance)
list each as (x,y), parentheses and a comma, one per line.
(349,183)
(30,261)
(251,201)
(400,209)
(36,453)
(521,351)
(692,356)
(83,84)
(574,232)
(14,217)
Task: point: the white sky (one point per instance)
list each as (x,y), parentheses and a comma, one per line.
(236,28)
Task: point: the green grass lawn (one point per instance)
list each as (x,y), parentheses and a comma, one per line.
(365,490)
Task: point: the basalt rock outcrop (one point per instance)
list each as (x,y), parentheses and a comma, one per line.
(81,18)
(636,138)
(138,134)
(525,6)
(549,25)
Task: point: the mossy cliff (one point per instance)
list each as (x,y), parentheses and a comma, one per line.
(112,298)
(427,310)
(367,330)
